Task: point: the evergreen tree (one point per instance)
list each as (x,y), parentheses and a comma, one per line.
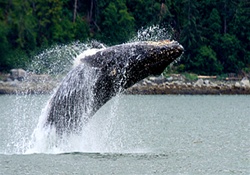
(22,23)
(212,26)
(53,25)
(118,23)
(190,34)
(241,26)
(228,54)
(215,34)
(5,63)
(206,62)
(175,17)
(145,12)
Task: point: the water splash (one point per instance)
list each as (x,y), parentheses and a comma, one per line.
(79,83)
(55,61)
(22,115)
(105,133)
(153,33)
(156,33)
(45,137)
(59,60)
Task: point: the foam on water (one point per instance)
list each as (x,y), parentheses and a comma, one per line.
(104,133)
(45,137)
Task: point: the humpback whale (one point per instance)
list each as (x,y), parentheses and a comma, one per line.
(100,76)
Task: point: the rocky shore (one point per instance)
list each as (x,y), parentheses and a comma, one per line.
(199,87)
(21,82)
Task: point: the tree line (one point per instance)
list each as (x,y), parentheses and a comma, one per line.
(215,35)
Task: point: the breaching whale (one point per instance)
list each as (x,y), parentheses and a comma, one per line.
(101,76)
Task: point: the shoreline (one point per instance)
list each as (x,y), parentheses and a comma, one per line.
(148,86)
(22,82)
(187,90)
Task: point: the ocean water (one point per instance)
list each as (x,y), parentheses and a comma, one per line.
(134,134)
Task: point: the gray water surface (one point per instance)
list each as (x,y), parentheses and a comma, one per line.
(163,134)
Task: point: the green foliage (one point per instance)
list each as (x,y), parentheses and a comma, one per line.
(118,23)
(4,47)
(222,76)
(241,26)
(190,76)
(206,61)
(51,22)
(23,21)
(18,59)
(213,23)
(80,29)
(246,70)
(181,68)
(211,38)
(230,46)
(215,34)
(145,12)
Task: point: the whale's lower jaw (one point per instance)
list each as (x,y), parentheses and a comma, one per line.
(101,76)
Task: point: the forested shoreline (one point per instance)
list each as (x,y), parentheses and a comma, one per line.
(215,35)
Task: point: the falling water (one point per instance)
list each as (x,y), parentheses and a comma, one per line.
(153,33)
(56,62)
(78,83)
(61,59)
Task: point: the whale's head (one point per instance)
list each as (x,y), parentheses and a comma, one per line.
(152,59)
(126,64)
